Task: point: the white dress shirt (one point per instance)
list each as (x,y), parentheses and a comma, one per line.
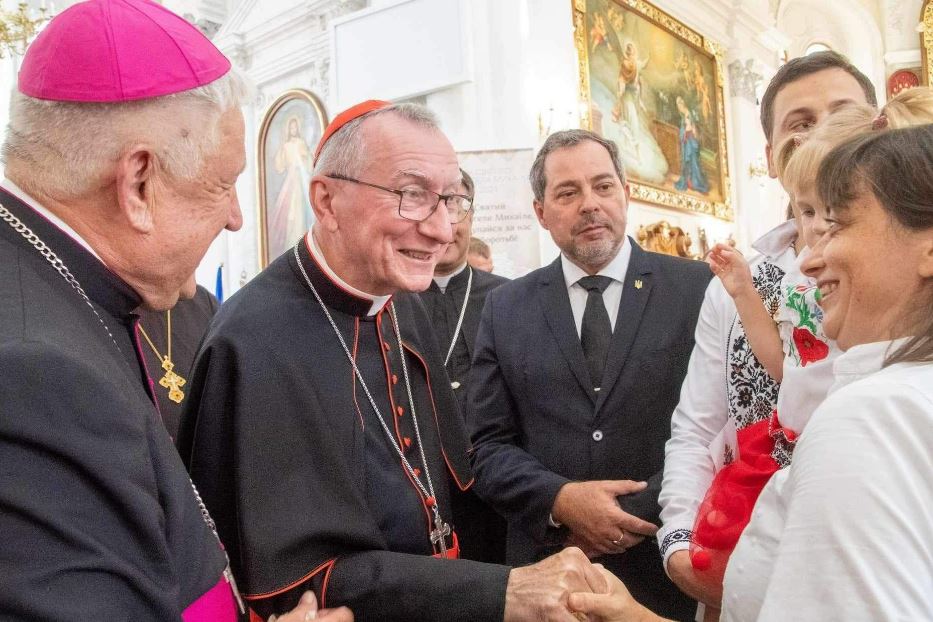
(846,532)
(615,270)
(700,422)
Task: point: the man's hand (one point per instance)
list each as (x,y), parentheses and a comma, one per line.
(596,522)
(683,574)
(307,610)
(540,592)
(617,605)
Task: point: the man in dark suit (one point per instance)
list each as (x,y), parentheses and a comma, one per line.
(454,301)
(576,371)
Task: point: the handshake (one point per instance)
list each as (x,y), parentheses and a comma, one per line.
(567,587)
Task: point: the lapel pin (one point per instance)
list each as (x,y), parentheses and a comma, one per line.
(638,283)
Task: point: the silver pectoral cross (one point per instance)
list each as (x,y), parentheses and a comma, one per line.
(439,533)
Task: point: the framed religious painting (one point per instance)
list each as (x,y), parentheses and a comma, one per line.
(926,42)
(654,87)
(288,136)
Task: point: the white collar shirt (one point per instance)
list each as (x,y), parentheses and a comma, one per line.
(699,424)
(615,270)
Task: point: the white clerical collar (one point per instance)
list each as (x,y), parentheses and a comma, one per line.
(442,281)
(615,269)
(18,192)
(378,301)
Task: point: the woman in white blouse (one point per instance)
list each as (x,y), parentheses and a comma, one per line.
(846,533)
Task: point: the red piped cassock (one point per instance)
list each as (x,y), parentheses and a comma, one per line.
(305,487)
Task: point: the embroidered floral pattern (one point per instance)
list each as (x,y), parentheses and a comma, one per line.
(784,439)
(678,535)
(809,348)
(728,455)
(803,312)
(752,391)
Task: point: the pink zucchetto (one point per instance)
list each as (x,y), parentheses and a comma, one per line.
(117,51)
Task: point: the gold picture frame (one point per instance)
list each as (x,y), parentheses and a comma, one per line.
(654,87)
(926,42)
(288,136)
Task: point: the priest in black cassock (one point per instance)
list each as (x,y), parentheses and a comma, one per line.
(454,301)
(322,430)
(124,142)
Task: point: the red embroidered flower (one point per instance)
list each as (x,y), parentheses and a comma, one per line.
(810,348)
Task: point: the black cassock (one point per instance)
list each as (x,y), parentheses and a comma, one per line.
(97,515)
(190,319)
(290,457)
(482,529)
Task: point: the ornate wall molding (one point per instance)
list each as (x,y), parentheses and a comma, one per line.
(744,80)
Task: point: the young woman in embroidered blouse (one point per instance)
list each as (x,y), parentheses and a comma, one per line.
(845,533)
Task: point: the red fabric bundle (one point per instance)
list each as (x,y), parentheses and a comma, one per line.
(728,505)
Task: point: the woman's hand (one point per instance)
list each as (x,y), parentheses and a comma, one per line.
(307,610)
(616,606)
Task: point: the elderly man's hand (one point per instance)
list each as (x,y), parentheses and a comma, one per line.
(685,577)
(540,592)
(595,520)
(307,610)
(617,605)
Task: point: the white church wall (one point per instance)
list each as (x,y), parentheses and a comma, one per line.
(512,78)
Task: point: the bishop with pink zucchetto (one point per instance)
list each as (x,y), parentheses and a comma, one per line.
(124,145)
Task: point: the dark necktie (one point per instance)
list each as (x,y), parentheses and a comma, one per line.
(596,331)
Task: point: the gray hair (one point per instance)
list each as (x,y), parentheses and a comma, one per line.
(343,153)
(67,146)
(562,140)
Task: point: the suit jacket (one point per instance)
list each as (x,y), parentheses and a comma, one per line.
(537,424)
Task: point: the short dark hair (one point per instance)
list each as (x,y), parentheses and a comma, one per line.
(894,166)
(468,183)
(568,138)
(801,67)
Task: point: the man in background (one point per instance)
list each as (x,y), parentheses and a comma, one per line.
(576,372)
(455,301)
(479,255)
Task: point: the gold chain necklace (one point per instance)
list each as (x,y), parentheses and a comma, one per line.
(171,381)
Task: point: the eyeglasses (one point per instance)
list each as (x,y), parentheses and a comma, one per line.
(418,204)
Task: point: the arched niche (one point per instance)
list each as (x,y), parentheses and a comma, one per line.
(845,26)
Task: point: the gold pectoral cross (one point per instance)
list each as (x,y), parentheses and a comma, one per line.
(172,381)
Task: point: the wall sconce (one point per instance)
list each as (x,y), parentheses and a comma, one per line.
(758,168)
(561,117)
(545,119)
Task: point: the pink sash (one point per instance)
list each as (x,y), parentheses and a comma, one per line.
(215,605)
